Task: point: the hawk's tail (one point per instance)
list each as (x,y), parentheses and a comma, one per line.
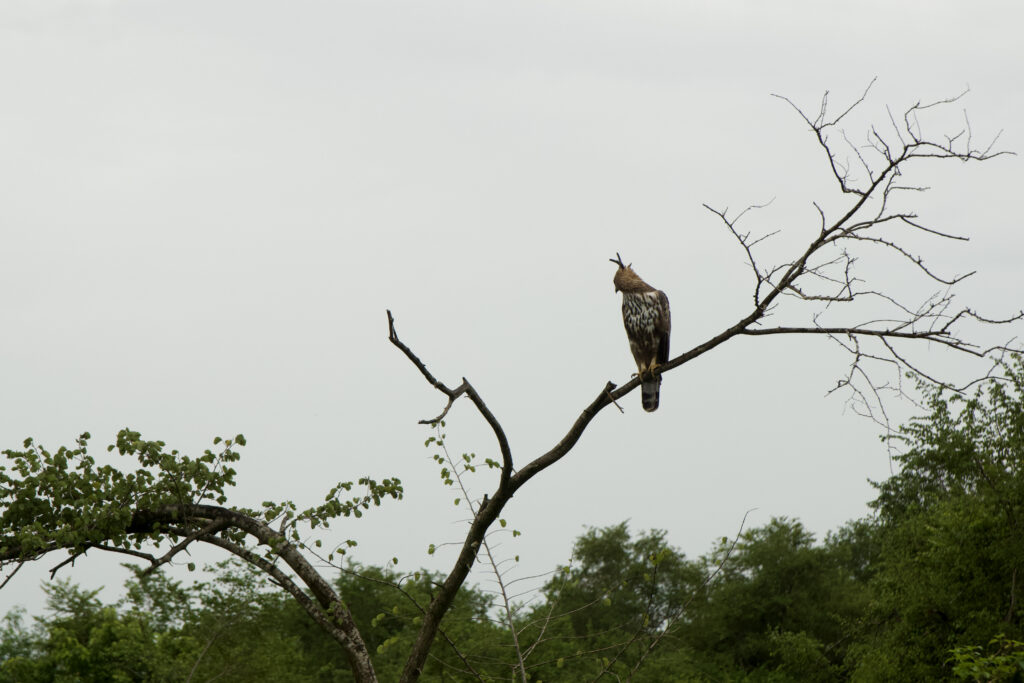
(650,391)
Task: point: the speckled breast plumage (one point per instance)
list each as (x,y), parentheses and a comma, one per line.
(640,315)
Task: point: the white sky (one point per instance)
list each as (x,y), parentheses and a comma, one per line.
(208,206)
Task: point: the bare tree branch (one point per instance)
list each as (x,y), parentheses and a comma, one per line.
(824,272)
(13,572)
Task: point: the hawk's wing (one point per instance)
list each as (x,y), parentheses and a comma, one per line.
(663,327)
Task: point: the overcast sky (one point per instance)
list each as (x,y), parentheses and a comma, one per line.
(206,208)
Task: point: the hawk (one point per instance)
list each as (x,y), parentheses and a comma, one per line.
(648,322)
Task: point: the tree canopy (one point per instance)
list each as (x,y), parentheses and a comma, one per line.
(925,589)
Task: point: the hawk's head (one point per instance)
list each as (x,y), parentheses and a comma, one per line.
(626,279)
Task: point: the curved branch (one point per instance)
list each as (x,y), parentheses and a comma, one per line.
(331,613)
(282,579)
(213,527)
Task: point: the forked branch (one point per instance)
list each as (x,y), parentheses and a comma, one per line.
(824,274)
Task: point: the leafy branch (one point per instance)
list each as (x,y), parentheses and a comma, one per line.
(64,500)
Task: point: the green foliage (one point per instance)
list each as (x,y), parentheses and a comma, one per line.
(605,611)
(927,590)
(390,619)
(64,499)
(950,560)
(800,657)
(335,505)
(977,450)
(83,640)
(1002,660)
(779,603)
(233,628)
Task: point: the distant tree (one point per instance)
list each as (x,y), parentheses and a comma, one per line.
(769,605)
(68,502)
(230,628)
(782,605)
(606,613)
(84,640)
(951,561)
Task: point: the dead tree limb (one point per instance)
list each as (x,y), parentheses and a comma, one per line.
(823,273)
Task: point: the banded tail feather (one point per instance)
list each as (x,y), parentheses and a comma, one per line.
(650,392)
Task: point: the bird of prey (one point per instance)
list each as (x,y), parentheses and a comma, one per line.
(648,322)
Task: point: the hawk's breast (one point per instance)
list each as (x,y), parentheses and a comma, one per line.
(640,313)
